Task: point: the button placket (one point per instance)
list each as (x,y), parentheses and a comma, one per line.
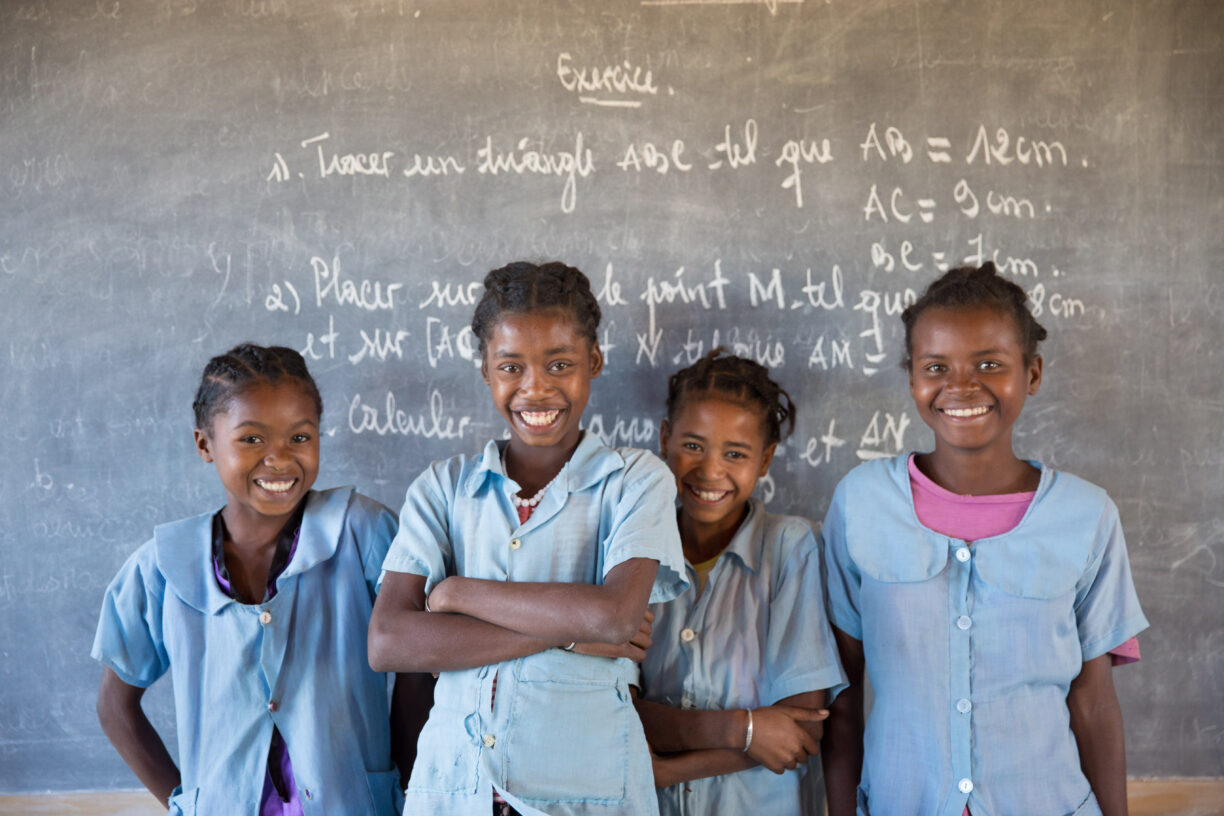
(960,704)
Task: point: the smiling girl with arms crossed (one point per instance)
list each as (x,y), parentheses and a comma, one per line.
(983,593)
(734,684)
(506,562)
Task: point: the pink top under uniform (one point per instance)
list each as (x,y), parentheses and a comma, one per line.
(970,518)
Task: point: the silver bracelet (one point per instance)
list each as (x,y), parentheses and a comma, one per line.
(748,733)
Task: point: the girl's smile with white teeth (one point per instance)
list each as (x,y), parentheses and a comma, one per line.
(276,485)
(539,419)
(965,413)
(711,496)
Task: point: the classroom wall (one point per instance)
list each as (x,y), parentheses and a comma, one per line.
(780,177)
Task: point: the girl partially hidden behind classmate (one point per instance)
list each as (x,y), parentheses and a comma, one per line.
(504,560)
(983,593)
(734,683)
(260,611)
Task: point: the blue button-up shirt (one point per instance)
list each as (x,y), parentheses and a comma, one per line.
(756,635)
(562,735)
(296,661)
(971,647)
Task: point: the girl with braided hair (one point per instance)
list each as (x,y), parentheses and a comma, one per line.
(261,610)
(521,576)
(986,596)
(733,687)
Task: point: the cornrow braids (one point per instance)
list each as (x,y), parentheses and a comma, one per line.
(527,287)
(969,286)
(721,372)
(242,367)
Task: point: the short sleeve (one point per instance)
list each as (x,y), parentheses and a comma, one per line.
(1106,606)
(373,528)
(129,637)
(800,653)
(644,525)
(844,578)
(422,544)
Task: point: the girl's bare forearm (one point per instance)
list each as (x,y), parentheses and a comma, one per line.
(690,765)
(134,737)
(556,612)
(669,729)
(437,642)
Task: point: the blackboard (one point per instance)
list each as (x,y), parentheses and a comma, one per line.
(177,176)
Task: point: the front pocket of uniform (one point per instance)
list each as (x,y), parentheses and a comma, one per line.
(446,756)
(569,742)
(183,801)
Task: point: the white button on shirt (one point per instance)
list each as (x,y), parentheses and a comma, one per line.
(964,622)
(265,617)
(962,554)
(489,740)
(964,706)
(515,543)
(965,786)
(687,634)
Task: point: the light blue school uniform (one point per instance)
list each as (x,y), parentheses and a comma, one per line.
(297,661)
(561,736)
(757,634)
(971,649)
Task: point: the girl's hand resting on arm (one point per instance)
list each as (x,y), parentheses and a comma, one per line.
(634,648)
(783,736)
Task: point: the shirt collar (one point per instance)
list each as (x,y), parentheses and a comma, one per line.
(749,540)
(184,549)
(590,463)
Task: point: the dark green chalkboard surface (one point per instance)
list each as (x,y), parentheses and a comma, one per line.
(177,176)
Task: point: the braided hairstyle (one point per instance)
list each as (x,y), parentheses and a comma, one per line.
(242,367)
(966,287)
(721,373)
(527,287)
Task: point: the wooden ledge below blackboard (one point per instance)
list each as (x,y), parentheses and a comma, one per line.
(1148,797)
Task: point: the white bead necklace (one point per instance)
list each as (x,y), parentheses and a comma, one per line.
(534,500)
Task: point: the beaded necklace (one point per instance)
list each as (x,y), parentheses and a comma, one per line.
(534,500)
